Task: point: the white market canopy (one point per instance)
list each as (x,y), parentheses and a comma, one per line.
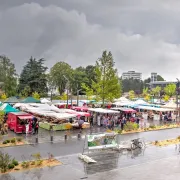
(140,102)
(170,104)
(44,100)
(104,111)
(122,99)
(154,108)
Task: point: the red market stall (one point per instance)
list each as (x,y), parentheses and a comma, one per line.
(17,122)
(82,109)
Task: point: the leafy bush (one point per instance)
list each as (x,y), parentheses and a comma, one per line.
(33,163)
(8,141)
(15,162)
(19,139)
(25,164)
(4,142)
(36,156)
(13,140)
(39,162)
(152,126)
(130,126)
(17,169)
(11,166)
(5,160)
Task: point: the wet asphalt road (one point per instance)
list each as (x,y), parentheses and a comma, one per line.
(153,163)
(73,145)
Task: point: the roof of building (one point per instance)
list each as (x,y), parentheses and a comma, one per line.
(161,82)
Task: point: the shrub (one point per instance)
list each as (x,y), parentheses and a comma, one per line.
(4,142)
(156,142)
(13,140)
(152,126)
(39,162)
(130,126)
(33,163)
(25,164)
(17,169)
(5,160)
(178,137)
(15,162)
(8,141)
(11,166)
(36,156)
(19,139)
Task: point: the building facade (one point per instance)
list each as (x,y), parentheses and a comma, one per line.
(132,75)
(154,77)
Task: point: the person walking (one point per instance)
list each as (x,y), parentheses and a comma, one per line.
(91,121)
(36,127)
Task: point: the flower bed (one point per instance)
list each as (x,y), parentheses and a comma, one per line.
(152,128)
(8,165)
(12,142)
(166,142)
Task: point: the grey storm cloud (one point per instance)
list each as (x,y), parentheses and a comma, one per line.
(143,35)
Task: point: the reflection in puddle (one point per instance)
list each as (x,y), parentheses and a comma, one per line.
(107,161)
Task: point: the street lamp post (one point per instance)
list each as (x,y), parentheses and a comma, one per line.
(78,96)
(177,99)
(67,90)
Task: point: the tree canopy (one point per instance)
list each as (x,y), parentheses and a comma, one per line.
(8,76)
(33,77)
(106,85)
(59,72)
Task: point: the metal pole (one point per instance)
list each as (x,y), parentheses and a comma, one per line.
(77,98)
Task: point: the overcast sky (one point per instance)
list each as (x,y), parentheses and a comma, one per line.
(143,35)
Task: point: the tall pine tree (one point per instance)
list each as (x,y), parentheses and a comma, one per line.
(106,85)
(33,77)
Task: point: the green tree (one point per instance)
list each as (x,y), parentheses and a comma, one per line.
(8,76)
(106,85)
(57,72)
(132,84)
(156,91)
(36,95)
(33,77)
(160,78)
(170,90)
(79,76)
(131,94)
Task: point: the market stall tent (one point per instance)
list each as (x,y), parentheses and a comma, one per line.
(140,102)
(44,100)
(30,100)
(170,104)
(7,108)
(104,111)
(11,100)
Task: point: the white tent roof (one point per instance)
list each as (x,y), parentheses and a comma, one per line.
(104,111)
(122,99)
(170,104)
(140,101)
(44,100)
(154,108)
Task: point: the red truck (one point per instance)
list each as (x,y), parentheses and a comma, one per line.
(17,122)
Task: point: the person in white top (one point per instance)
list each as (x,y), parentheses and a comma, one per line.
(145,117)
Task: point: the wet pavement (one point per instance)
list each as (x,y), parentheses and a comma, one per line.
(75,145)
(152,163)
(113,165)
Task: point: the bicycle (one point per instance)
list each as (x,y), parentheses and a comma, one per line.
(136,143)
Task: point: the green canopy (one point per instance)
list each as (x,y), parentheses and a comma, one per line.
(7,108)
(30,100)
(11,100)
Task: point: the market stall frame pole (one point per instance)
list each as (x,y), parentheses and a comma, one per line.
(177,98)
(67,90)
(78,96)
